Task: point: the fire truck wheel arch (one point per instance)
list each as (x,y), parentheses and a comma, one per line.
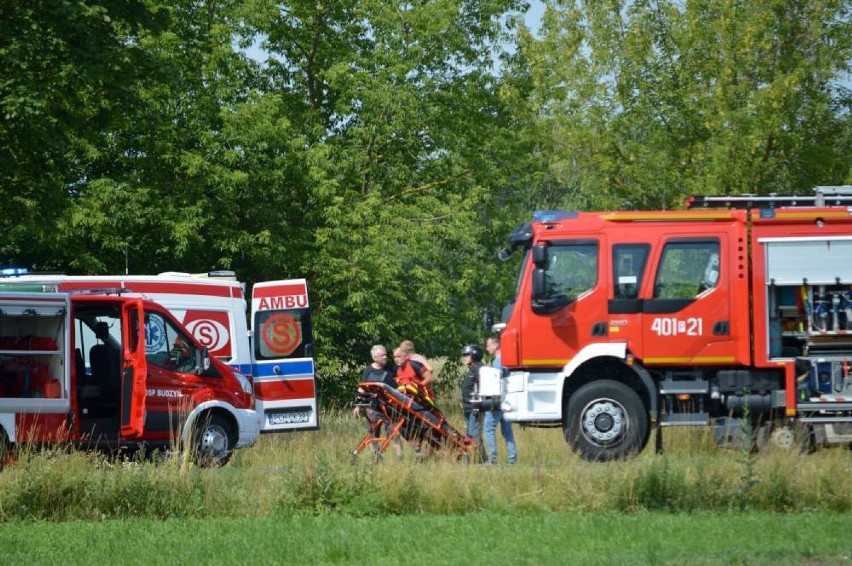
(592,355)
(606,420)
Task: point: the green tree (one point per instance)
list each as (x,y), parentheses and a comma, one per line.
(69,70)
(641,103)
(374,152)
(176,187)
(405,103)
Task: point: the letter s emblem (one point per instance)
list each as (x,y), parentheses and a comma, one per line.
(209,333)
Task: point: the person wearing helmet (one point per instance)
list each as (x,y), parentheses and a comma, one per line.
(472,357)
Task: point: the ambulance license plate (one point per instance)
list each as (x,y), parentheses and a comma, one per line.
(294,417)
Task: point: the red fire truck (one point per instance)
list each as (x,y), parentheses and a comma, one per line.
(736,308)
(148,381)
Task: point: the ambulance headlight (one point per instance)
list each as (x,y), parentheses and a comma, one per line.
(244,381)
(506,407)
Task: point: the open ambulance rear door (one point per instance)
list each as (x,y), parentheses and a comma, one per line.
(282,356)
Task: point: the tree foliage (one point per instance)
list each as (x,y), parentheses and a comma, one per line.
(642,103)
(403,102)
(67,74)
(383,149)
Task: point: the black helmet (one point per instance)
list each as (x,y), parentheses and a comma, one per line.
(474,351)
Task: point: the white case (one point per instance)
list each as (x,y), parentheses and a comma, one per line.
(489,381)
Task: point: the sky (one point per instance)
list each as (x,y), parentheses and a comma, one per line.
(534,15)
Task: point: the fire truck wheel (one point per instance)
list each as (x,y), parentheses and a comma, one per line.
(213,442)
(794,439)
(606,420)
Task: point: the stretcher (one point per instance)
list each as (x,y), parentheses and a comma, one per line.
(396,414)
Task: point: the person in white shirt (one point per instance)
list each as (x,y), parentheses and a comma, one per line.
(495,417)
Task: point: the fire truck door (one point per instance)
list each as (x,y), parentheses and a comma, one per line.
(687,317)
(282,356)
(566,305)
(629,263)
(134,370)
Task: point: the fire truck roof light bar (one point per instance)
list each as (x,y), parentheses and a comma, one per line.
(823,196)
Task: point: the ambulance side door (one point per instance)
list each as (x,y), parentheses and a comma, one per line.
(282,356)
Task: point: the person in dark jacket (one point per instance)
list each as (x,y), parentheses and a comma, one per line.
(382,371)
(472,356)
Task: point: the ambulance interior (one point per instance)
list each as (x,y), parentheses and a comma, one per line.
(97,350)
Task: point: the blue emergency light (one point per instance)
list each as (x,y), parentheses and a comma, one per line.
(13,271)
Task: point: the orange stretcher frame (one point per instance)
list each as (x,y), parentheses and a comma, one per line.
(408,418)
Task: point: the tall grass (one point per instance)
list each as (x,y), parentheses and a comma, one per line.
(315,473)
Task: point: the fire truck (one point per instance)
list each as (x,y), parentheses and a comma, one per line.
(276,354)
(735,310)
(149,382)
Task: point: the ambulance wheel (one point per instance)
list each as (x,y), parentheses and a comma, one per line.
(213,441)
(606,420)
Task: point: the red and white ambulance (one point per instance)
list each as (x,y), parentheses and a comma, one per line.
(276,352)
(149,382)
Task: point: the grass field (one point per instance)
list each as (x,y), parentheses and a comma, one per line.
(302,497)
(492,538)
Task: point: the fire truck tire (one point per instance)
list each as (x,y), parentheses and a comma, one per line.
(606,420)
(794,439)
(213,441)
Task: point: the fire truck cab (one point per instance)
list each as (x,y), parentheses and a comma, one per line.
(737,307)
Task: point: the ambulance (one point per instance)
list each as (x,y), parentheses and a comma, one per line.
(149,383)
(276,352)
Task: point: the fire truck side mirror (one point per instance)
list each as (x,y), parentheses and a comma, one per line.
(539,284)
(488,319)
(539,255)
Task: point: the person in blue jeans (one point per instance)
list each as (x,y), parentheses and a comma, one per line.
(495,417)
(472,356)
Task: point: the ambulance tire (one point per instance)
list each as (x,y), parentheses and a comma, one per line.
(606,420)
(213,441)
